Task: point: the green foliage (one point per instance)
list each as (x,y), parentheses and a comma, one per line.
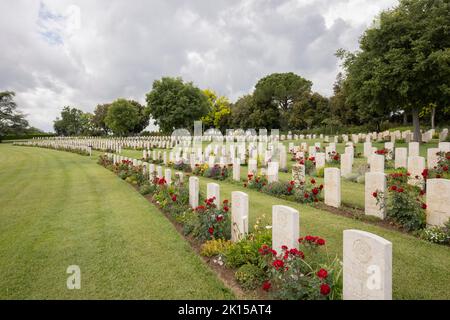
(214,247)
(175,104)
(246,250)
(12,122)
(125,117)
(71,122)
(250,276)
(219,111)
(98,120)
(403,62)
(436,234)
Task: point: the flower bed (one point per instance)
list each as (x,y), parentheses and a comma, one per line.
(209,224)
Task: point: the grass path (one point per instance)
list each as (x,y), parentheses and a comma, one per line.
(58,209)
(420,268)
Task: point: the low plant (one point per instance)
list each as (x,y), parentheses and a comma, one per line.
(250,276)
(214,221)
(306,273)
(214,247)
(308,191)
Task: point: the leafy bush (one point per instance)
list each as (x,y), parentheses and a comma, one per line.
(305,274)
(307,192)
(403,202)
(147,188)
(250,276)
(214,221)
(279,188)
(255,182)
(320,172)
(214,247)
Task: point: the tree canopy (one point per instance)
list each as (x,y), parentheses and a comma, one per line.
(219,111)
(176,104)
(403,62)
(11,120)
(125,117)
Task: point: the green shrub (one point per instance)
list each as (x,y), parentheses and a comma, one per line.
(246,250)
(147,188)
(320,172)
(250,276)
(214,247)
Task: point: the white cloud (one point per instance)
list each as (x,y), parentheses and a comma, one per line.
(82,53)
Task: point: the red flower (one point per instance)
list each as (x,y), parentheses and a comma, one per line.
(211,230)
(374,194)
(225,201)
(321,187)
(292,182)
(316,200)
(324,289)
(445,168)
(306,195)
(225,208)
(424,206)
(422,192)
(393,188)
(278,264)
(245,185)
(315,191)
(313,181)
(219,218)
(400,190)
(266,286)
(322,274)
(174,198)
(320,242)
(289,189)
(284,247)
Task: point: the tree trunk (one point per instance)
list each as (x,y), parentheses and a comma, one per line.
(405,118)
(433,113)
(415,117)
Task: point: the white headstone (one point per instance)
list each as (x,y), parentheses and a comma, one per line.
(237,169)
(213,191)
(374,182)
(401,158)
(438,201)
(239,215)
(332,187)
(367,270)
(194,189)
(285,227)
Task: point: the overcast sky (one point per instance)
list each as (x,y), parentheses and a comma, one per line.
(81,53)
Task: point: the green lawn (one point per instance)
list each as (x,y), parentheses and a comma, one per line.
(420,268)
(59,209)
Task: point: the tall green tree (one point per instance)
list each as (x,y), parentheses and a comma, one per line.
(176,104)
(403,62)
(71,123)
(219,111)
(241,113)
(126,117)
(98,119)
(11,120)
(275,95)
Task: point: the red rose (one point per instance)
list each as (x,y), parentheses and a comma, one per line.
(225,201)
(374,194)
(400,190)
(313,181)
(324,289)
(322,274)
(174,198)
(284,247)
(225,208)
(278,264)
(393,188)
(320,242)
(306,195)
(315,191)
(316,200)
(266,286)
(211,230)
(245,185)
(445,168)
(219,218)
(424,206)
(289,189)
(321,187)
(422,192)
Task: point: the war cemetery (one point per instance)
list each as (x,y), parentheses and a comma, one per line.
(282,194)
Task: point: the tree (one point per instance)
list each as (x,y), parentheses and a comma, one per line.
(241,113)
(275,96)
(219,111)
(11,120)
(71,123)
(403,64)
(125,117)
(175,104)
(341,111)
(309,110)
(98,119)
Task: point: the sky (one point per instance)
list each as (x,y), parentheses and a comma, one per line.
(83,53)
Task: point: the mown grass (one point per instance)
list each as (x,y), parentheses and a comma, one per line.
(59,209)
(420,268)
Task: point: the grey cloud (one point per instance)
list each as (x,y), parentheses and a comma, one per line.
(122,47)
